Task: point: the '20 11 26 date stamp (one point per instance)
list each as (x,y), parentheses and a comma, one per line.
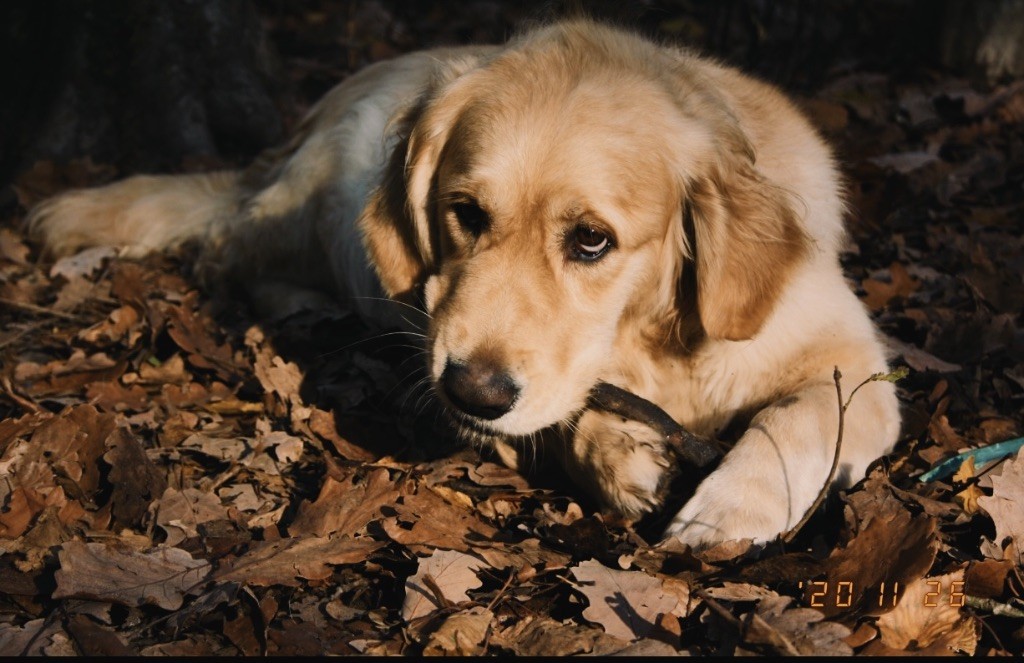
(845,593)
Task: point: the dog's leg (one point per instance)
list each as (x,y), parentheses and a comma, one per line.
(245,237)
(139,215)
(771,477)
(623,463)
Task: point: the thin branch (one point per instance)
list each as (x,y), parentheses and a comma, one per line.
(435,589)
(32,308)
(836,376)
(993,606)
(891,376)
(693,449)
(25,403)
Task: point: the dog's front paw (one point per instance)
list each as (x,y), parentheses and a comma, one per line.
(624,463)
(725,509)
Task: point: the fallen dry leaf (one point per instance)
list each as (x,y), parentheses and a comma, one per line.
(543,636)
(346,506)
(892,546)
(795,631)
(461,634)
(136,480)
(180,512)
(1006,505)
(880,293)
(425,518)
(121,326)
(12,248)
(452,572)
(161,577)
(929,620)
(82,264)
(626,603)
(34,638)
(279,377)
(289,561)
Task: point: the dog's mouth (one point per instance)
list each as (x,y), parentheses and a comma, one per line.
(472,429)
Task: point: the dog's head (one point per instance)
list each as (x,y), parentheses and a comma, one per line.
(579,190)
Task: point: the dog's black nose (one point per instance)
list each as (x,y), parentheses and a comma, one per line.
(479,389)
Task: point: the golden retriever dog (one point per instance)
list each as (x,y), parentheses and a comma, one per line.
(579,205)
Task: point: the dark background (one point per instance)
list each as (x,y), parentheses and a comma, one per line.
(146,85)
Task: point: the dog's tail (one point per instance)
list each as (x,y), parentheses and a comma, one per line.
(139,215)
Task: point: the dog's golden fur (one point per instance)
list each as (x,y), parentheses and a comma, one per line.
(719,295)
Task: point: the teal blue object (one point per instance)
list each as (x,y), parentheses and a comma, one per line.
(981,456)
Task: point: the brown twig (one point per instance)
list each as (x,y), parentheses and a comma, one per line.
(435,589)
(891,376)
(719,609)
(693,449)
(42,310)
(836,376)
(26,404)
(993,606)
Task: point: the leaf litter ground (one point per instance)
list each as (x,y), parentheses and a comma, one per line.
(180,477)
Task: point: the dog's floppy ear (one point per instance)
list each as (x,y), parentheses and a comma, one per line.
(397,221)
(746,240)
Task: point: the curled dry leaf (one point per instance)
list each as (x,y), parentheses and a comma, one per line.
(189,332)
(161,577)
(928,620)
(59,376)
(543,636)
(1006,505)
(452,572)
(172,370)
(279,377)
(122,325)
(461,634)
(892,546)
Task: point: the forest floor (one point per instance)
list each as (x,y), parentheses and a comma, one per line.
(178,477)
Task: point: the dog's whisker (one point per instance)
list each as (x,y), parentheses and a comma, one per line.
(396,302)
(370,339)
(399,384)
(413,389)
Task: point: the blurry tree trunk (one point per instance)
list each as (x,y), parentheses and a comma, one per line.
(136,83)
(984,35)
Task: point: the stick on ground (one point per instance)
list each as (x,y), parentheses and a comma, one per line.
(694,449)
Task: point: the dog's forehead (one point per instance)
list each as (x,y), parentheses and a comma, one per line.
(587,142)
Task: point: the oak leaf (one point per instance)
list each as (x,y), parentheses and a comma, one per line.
(161,577)
(345,506)
(180,512)
(626,603)
(452,572)
(1006,505)
(288,561)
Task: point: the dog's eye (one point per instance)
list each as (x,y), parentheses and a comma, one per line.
(588,243)
(471,217)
